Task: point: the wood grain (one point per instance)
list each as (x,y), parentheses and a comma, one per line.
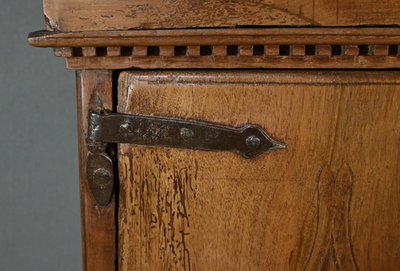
(86,15)
(94,91)
(251,36)
(330,201)
(233,62)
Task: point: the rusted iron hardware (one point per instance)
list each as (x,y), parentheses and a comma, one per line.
(100,172)
(106,128)
(249,140)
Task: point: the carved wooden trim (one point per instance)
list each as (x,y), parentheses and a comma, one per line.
(334,48)
(333,35)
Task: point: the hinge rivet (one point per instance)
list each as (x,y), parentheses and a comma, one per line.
(126,127)
(253,141)
(186,133)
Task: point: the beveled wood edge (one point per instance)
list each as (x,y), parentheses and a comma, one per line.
(243,36)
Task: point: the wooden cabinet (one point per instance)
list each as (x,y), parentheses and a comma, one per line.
(267,147)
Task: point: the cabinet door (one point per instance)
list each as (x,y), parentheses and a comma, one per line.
(329,201)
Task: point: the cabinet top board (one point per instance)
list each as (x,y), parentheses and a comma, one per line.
(90,15)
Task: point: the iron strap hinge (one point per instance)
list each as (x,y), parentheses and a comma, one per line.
(248,140)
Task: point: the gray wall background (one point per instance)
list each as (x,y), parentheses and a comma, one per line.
(39,192)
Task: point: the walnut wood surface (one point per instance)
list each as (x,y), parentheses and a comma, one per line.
(251,36)
(330,201)
(235,62)
(94,91)
(89,15)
